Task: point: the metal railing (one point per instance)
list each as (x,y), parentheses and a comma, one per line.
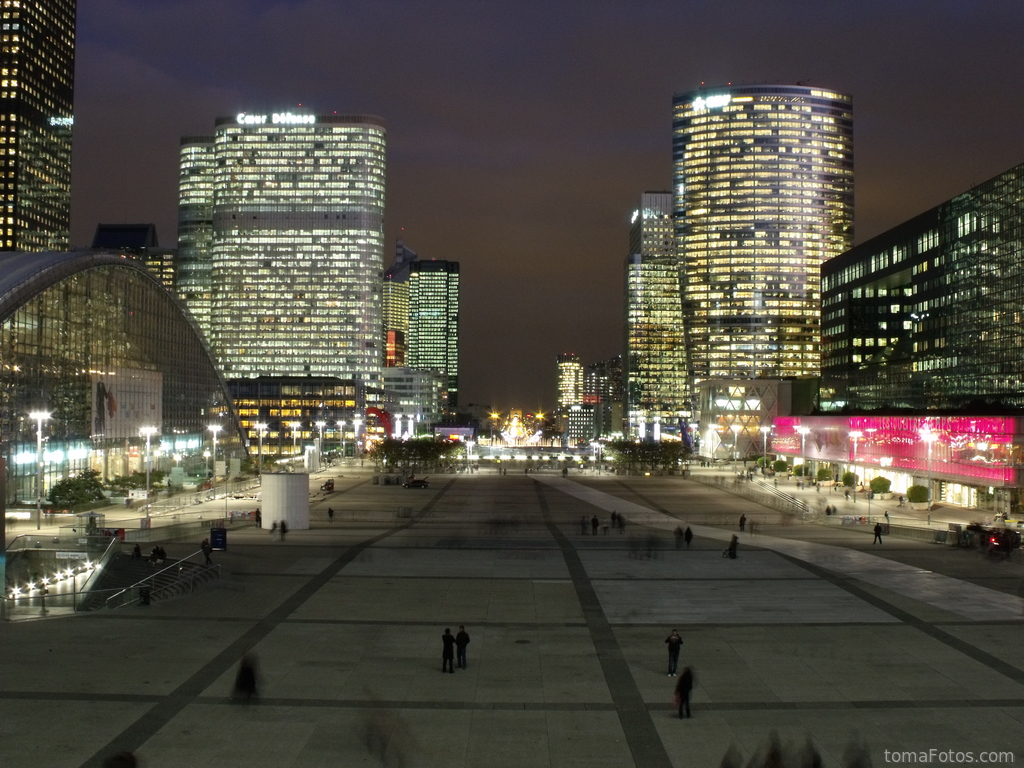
(762,494)
(186,577)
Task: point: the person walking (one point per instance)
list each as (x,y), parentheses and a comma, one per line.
(674,643)
(461,641)
(283,529)
(743,522)
(687,536)
(205,547)
(887,517)
(447,652)
(730,551)
(878,534)
(683,688)
(678,533)
(594,522)
(330,515)
(245,680)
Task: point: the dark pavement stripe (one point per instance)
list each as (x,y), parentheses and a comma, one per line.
(150,723)
(637,725)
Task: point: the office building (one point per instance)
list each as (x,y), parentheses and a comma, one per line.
(295,255)
(657,386)
(395,302)
(37,73)
(602,388)
(140,242)
(194,260)
(94,342)
(421,398)
(928,315)
(433,337)
(763,197)
(570,381)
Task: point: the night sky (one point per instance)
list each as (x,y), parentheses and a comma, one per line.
(521,134)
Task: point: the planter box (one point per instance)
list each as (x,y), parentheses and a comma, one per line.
(919,506)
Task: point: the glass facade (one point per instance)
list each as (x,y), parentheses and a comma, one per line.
(434,321)
(37,68)
(656,372)
(396,306)
(296,252)
(763,196)
(603,388)
(96,341)
(195,227)
(929,314)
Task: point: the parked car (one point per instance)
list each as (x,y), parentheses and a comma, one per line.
(414,482)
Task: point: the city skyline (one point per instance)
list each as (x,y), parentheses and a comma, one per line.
(518,140)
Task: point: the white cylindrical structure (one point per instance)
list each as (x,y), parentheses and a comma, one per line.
(285,497)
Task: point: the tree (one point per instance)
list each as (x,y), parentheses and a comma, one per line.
(780,465)
(83,488)
(917,494)
(824,474)
(849,479)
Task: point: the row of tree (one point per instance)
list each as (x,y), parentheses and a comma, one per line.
(416,455)
(629,456)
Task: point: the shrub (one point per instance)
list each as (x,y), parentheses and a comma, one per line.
(780,465)
(849,479)
(917,494)
(800,470)
(824,474)
(84,488)
(880,484)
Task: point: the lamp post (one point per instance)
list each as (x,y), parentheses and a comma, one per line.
(357,422)
(341,441)
(803,454)
(148,432)
(765,429)
(320,446)
(855,435)
(736,429)
(215,429)
(295,425)
(929,437)
(39,417)
(261,430)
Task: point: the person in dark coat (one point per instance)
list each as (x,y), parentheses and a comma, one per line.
(594,522)
(878,534)
(687,536)
(743,522)
(447,652)
(461,641)
(683,688)
(283,529)
(136,552)
(678,533)
(205,546)
(245,680)
(330,514)
(731,549)
(674,642)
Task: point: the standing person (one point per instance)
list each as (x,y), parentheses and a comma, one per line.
(615,518)
(447,652)
(461,641)
(330,514)
(683,688)
(245,680)
(594,522)
(878,534)
(583,525)
(205,546)
(674,642)
(743,522)
(284,529)
(687,536)
(678,533)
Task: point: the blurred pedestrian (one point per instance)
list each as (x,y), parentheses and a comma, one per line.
(273,530)
(120,760)
(245,680)
(283,529)
(678,533)
(330,515)
(743,522)
(583,525)
(594,522)
(683,688)
(730,551)
(687,536)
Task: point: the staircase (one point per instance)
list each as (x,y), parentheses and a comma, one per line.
(122,578)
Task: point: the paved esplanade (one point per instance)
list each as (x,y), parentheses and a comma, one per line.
(809,632)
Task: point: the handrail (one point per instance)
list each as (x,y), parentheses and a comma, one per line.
(759,493)
(151,576)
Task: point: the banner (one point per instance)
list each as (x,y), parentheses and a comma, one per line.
(125,400)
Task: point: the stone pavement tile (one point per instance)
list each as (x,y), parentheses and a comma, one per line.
(995,639)
(126,656)
(921,610)
(592,738)
(449,602)
(690,564)
(509,740)
(74,730)
(739,602)
(462,564)
(238,597)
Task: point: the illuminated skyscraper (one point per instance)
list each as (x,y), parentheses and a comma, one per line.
(433,338)
(396,306)
(657,387)
(195,227)
(37,73)
(570,381)
(763,195)
(295,254)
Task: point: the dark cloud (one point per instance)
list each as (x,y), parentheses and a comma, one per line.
(521,134)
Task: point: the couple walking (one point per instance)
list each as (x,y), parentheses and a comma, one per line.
(452,646)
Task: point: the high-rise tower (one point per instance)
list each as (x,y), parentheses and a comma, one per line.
(195,227)
(763,195)
(433,340)
(657,386)
(396,306)
(295,255)
(37,70)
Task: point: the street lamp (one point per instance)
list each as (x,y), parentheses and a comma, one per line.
(736,429)
(341,442)
(215,428)
(148,432)
(855,435)
(39,417)
(295,435)
(765,429)
(320,446)
(803,454)
(357,422)
(261,430)
(929,437)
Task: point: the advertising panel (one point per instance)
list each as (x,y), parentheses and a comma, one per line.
(125,400)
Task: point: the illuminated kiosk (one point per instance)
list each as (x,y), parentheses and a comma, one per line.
(285,498)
